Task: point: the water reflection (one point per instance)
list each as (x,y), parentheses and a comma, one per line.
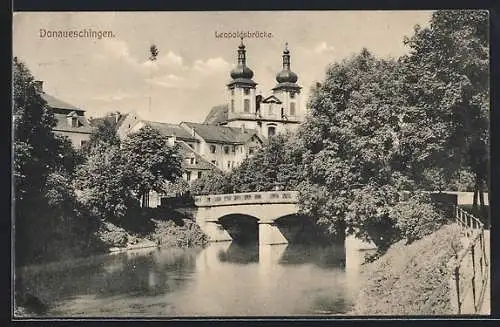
(330,256)
(239,253)
(225,279)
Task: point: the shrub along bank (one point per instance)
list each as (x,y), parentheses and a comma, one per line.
(411,279)
(176,232)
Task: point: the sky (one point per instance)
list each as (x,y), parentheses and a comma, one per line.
(192,70)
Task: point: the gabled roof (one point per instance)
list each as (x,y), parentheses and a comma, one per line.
(167,129)
(110,118)
(222,134)
(54,102)
(200,163)
(217,115)
(271,99)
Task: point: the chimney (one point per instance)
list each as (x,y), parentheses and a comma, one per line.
(39,86)
(171,140)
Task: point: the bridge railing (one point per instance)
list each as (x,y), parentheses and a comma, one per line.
(471,267)
(247,198)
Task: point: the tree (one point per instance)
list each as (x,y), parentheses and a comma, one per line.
(277,164)
(103,183)
(447,85)
(105,132)
(150,161)
(42,164)
(215,182)
(351,144)
(34,142)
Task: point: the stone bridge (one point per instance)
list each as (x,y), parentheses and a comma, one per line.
(265,217)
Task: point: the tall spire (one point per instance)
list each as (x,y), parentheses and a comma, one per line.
(241,54)
(286,58)
(286,75)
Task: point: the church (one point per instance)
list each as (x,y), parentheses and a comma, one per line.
(275,113)
(230,132)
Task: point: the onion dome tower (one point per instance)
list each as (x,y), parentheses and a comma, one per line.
(287,89)
(286,75)
(241,88)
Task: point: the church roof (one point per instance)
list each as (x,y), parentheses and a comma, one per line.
(287,85)
(217,115)
(167,129)
(222,134)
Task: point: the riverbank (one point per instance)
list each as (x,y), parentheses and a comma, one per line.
(410,279)
(181,232)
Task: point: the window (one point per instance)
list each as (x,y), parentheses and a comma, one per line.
(199,174)
(247,91)
(292,109)
(232,91)
(83,142)
(214,162)
(212,149)
(229,164)
(234,148)
(292,95)
(271,108)
(271,131)
(250,151)
(188,176)
(226,150)
(232,105)
(246,105)
(192,161)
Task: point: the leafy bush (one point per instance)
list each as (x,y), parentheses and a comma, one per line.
(417,217)
(369,215)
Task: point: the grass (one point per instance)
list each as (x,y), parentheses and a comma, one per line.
(410,279)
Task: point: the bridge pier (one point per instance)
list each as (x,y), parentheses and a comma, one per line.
(270,234)
(215,232)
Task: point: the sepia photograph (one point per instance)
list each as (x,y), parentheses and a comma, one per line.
(215,164)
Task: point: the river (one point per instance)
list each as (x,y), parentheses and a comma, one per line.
(223,279)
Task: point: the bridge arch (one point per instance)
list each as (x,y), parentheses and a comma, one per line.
(297,228)
(242,228)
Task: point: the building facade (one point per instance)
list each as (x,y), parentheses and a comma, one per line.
(70,120)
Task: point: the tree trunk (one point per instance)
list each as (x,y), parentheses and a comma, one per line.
(341,233)
(475,198)
(482,205)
